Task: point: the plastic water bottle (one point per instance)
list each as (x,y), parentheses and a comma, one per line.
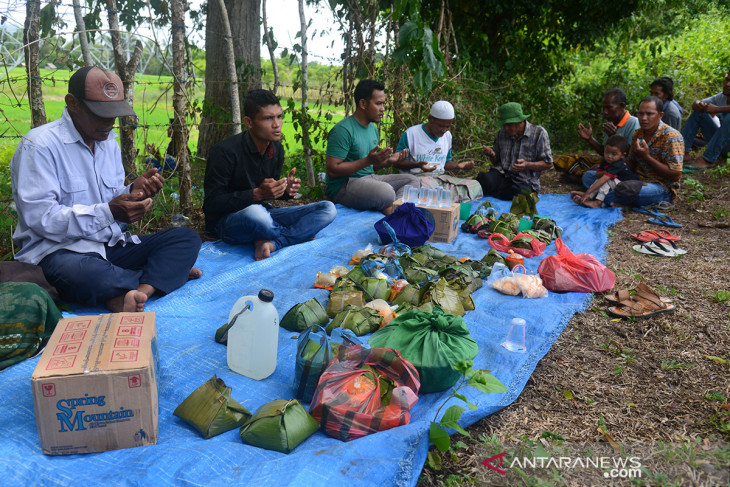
(254,337)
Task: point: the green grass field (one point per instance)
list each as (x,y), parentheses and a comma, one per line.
(152,103)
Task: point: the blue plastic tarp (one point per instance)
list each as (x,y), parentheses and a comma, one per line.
(186,323)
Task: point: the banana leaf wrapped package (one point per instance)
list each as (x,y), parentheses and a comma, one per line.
(374,288)
(211,410)
(279,425)
(340,299)
(303,315)
(524,204)
(360,319)
(431,342)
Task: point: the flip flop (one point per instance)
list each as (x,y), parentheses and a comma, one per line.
(658,248)
(661,206)
(642,291)
(688,168)
(647,211)
(649,235)
(664,220)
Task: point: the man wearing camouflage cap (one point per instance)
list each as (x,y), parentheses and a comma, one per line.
(73,206)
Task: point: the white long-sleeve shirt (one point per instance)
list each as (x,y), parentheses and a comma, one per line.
(62,192)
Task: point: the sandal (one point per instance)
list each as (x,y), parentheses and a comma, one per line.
(642,289)
(659,248)
(664,220)
(658,234)
(648,211)
(644,304)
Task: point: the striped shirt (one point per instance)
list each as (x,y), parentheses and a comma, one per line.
(667,147)
(533,145)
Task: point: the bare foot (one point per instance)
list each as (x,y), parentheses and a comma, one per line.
(263,249)
(387,211)
(593,203)
(577,196)
(134,301)
(195,273)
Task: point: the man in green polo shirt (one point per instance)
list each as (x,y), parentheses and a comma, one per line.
(353,156)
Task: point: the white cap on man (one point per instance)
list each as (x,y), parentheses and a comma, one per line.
(442,110)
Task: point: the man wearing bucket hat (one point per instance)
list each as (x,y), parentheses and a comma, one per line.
(520,154)
(73,206)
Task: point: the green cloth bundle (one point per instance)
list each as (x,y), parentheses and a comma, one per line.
(28,317)
(303,315)
(211,410)
(279,425)
(432,342)
(359,319)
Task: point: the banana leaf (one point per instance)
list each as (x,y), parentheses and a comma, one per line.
(356,274)
(524,204)
(211,410)
(409,295)
(493,257)
(447,297)
(521,243)
(340,299)
(360,320)
(303,315)
(503,227)
(345,284)
(279,426)
(417,275)
(374,288)
(429,250)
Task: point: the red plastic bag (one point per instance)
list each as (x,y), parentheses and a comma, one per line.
(581,273)
(503,244)
(348,403)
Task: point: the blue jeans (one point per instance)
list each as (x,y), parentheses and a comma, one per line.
(162,260)
(650,194)
(282,226)
(718,138)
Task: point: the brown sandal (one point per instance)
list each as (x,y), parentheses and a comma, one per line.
(621,295)
(644,304)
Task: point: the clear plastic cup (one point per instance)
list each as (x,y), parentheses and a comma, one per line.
(433,197)
(515,341)
(413,198)
(445,198)
(423,196)
(407,193)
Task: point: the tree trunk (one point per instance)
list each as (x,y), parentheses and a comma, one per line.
(270,46)
(125,70)
(180,128)
(81,29)
(31,42)
(243,16)
(304,120)
(231,71)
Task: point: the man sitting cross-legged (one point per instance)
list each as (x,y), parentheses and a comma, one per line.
(73,205)
(244,172)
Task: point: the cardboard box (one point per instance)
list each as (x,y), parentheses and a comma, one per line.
(95,387)
(446,221)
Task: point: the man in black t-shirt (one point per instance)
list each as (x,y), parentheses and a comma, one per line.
(243,172)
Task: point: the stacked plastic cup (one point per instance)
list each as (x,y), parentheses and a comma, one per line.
(445,198)
(407,193)
(423,196)
(413,195)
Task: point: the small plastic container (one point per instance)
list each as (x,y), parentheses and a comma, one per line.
(253,338)
(515,341)
(407,194)
(514,259)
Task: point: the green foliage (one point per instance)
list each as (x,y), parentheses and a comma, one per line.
(418,50)
(481,380)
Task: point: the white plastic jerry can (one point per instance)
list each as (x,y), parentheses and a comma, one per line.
(254,336)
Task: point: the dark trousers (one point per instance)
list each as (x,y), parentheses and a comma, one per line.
(162,260)
(496,184)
